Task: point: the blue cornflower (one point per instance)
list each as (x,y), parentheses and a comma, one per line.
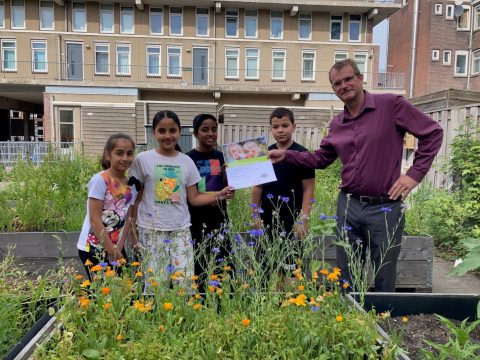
(260,211)
(192,242)
(225,230)
(285,198)
(219,260)
(114,263)
(216,250)
(270,196)
(170,268)
(315,308)
(346,227)
(334,217)
(251,243)
(103,264)
(255,232)
(386,209)
(255,216)
(214,283)
(253,205)
(324,217)
(300,222)
(313,201)
(167,241)
(237,238)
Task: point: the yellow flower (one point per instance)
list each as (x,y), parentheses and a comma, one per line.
(150,270)
(179,273)
(337,270)
(333,277)
(324,272)
(211,288)
(181,292)
(315,275)
(194,286)
(88,263)
(246,322)
(122,261)
(152,282)
(85,284)
(197,306)
(119,337)
(168,306)
(384,315)
(300,300)
(219,291)
(227,268)
(197,296)
(301,287)
(84,302)
(107,306)
(110,273)
(346,285)
(96,268)
(214,277)
(139,274)
(140,306)
(105,290)
(194,277)
(79,277)
(405,319)
(135,264)
(245,286)
(339,318)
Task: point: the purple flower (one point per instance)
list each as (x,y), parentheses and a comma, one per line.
(214,283)
(346,228)
(285,198)
(260,211)
(225,230)
(219,260)
(237,238)
(192,242)
(251,243)
(386,209)
(315,308)
(253,205)
(167,241)
(216,250)
(114,263)
(334,217)
(300,222)
(103,264)
(313,201)
(170,268)
(324,217)
(270,196)
(255,216)
(255,232)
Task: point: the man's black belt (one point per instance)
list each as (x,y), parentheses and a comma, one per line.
(371,200)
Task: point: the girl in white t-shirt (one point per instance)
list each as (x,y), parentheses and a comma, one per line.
(168,179)
(109,207)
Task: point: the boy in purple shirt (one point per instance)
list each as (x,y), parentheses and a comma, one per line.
(367,136)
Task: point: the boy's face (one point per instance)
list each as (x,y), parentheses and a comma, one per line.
(282,129)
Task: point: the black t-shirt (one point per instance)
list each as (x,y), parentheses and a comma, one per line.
(288,185)
(209,165)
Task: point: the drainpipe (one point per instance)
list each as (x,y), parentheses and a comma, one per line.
(414,47)
(470,55)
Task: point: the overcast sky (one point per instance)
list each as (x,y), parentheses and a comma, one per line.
(380,33)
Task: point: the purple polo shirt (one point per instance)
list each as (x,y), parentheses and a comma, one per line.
(370,146)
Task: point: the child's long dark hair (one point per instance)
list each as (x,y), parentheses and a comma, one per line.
(110,145)
(164,114)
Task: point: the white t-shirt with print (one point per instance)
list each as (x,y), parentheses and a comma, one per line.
(165,179)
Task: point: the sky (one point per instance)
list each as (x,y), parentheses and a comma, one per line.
(380,36)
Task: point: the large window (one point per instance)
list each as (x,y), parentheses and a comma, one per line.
(231,63)
(79,16)
(2,14)
(153,60)
(276,25)
(66,128)
(176,21)
(251,63)
(123,59)
(174,61)
(354,27)
(106,18)
(231,23)
(305,26)
(278,64)
(461,63)
(463,22)
(9,55)
(127,20)
(39,56)
(156,20)
(202,21)
(308,65)
(46,15)
(476,62)
(336,27)
(102,59)
(361,60)
(251,23)
(18,14)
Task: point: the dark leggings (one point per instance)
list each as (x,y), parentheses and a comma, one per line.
(96,256)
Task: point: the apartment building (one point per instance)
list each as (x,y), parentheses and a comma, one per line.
(89,68)
(442,51)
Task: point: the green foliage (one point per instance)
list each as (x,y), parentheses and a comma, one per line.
(459,346)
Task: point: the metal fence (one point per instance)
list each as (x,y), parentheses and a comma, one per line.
(37,152)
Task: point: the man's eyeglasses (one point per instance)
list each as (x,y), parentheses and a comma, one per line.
(348,80)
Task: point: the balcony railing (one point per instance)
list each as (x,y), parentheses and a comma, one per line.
(185,77)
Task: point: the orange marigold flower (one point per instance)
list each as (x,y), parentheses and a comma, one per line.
(122,261)
(346,285)
(324,272)
(150,270)
(214,277)
(79,277)
(197,296)
(194,286)
(211,288)
(85,284)
(245,286)
(333,277)
(96,268)
(194,277)
(84,302)
(301,287)
(219,291)
(88,263)
(315,275)
(119,337)
(181,292)
(110,273)
(339,318)
(300,300)
(139,274)
(107,306)
(197,306)
(105,290)
(135,263)
(161,329)
(168,306)
(153,283)
(227,268)
(337,270)
(246,322)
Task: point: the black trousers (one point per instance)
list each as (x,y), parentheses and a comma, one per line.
(95,256)
(374,228)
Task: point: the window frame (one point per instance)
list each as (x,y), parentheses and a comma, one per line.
(438,9)
(462,53)
(207,16)
(156,11)
(245,23)
(117,63)
(84,11)
(2,47)
(300,25)
(237,68)
(333,21)
(304,52)
(449,12)
(95,45)
(257,69)
(12,12)
(435,55)
(34,63)
(449,62)
(236,18)
(352,22)
(466,9)
(2,14)
(282,24)
(274,78)
(339,52)
(112,13)
(147,60)
(477,59)
(41,12)
(364,54)
(174,47)
(126,12)
(60,123)
(171,15)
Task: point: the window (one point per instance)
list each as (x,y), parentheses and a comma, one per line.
(251,63)
(102,59)
(106,18)
(46,15)
(308,65)
(355,27)
(123,59)
(9,55)
(447,57)
(2,14)
(231,23)
(461,63)
(449,11)
(305,26)
(339,56)
(361,60)
(39,56)
(336,27)
(127,20)
(156,20)
(153,60)
(276,25)
(174,61)
(176,21)
(79,16)
(251,23)
(18,14)
(66,125)
(202,22)
(463,22)
(476,62)
(476,20)
(435,55)
(231,63)
(438,9)
(278,64)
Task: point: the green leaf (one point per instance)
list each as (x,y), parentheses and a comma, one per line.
(91,353)
(470,262)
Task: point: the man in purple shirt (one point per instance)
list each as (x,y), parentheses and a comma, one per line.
(367,137)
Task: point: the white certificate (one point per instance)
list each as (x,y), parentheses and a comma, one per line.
(247,163)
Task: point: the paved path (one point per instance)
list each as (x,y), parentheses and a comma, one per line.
(443,283)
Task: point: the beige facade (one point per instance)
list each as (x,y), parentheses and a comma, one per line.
(120,56)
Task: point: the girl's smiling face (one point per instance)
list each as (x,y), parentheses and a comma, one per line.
(167,134)
(207,133)
(121,156)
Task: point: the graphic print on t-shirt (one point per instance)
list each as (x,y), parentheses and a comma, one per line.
(167,188)
(211,173)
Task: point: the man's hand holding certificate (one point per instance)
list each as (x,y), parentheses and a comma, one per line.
(247,163)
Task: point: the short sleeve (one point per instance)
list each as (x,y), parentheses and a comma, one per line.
(97,187)
(136,169)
